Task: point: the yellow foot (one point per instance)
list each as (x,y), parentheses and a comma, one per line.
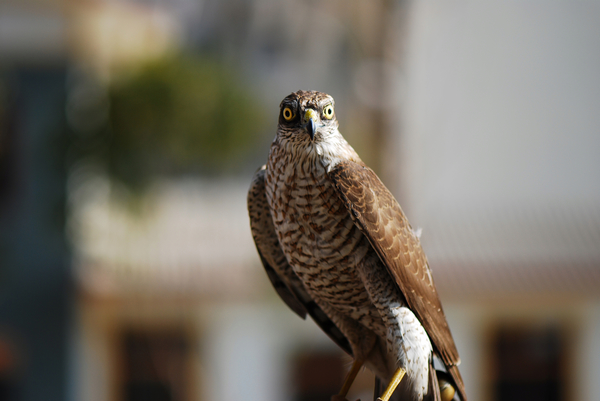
(340,398)
(356,365)
(392,386)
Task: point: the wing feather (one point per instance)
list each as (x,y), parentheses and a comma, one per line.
(280,273)
(379,216)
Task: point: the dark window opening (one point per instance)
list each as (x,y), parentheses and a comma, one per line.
(155,366)
(317,375)
(528,364)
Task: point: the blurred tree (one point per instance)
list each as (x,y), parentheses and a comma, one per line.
(179,115)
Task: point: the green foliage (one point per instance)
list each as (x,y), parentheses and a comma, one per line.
(175,116)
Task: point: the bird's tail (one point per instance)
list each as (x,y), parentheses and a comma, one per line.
(433,386)
(458,381)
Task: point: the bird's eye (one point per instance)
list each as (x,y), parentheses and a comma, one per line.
(288,114)
(328,111)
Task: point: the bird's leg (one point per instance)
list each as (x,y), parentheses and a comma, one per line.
(393,384)
(356,365)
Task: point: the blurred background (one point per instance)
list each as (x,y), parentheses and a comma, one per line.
(130,130)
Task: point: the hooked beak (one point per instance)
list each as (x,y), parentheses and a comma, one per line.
(310,118)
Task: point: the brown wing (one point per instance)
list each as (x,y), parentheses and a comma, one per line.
(284,280)
(379,216)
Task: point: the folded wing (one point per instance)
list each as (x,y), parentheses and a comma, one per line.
(379,216)
(280,273)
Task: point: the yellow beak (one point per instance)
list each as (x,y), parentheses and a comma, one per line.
(310,118)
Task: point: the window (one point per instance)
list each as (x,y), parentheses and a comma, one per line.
(317,375)
(527,364)
(155,366)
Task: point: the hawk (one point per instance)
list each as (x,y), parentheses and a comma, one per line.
(337,246)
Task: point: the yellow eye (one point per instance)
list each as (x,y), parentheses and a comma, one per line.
(288,114)
(328,111)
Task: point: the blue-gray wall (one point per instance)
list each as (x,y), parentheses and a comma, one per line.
(35,284)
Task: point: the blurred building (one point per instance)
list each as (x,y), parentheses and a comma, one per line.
(486,117)
(36,291)
(498,164)
(176,303)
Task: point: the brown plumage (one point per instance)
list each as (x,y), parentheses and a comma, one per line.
(336,245)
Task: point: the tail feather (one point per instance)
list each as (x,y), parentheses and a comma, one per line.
(433,391)
(458,381)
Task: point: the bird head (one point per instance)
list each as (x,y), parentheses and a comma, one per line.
(307,116)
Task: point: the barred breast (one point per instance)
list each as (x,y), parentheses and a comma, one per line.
(320,240)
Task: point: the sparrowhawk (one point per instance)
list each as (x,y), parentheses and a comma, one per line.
(336,245)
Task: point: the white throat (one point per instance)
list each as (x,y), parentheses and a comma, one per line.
(333,149)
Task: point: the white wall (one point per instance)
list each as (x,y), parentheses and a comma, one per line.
(467,325)
(247,351)
(587,368)
(500,105)
(242,349)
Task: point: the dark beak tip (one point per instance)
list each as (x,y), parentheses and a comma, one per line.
(311,129)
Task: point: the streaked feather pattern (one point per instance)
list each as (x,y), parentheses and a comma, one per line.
(335,244)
